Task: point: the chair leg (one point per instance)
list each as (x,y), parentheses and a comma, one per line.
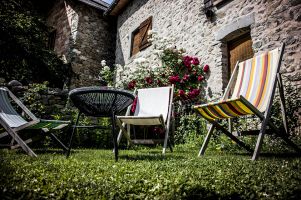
(206,141)
(285,138)
(169,145)
(58,141)
(165,141)
(114,136)
(122,131)
(235,139)
(282,102)
(16,137)
(259,140)
(71,138)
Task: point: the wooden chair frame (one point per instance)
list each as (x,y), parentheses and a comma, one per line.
(13,132)
(264,117)
(166,125)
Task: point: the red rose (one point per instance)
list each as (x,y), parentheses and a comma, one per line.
(186,77)
(182,93)
(195,61)
(132,84)
(174,79)
(200,78)
(148,80)
(206,68)
(187,61)
(193,93)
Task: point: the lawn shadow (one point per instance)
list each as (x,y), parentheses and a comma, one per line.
(152,156)
(49,151)
(199,192)
(274,154)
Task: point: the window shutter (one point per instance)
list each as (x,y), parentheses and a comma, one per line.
(143,30)
(136,42)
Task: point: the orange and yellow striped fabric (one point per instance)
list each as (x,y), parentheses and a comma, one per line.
(255,81)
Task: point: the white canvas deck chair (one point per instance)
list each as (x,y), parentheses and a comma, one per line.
(13,122)
(253,94)
(154,107)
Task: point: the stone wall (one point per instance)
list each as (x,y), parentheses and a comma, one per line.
(269,22)
(84,38)
(53,100)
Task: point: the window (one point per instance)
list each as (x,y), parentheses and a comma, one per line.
(239,49)
(51,39)
(140,37)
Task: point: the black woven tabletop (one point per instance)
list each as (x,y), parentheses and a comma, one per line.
(100,101)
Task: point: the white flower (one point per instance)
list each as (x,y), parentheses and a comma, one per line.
(103,63)
(158,52)
(106,68)
(119,66)
(150,39)
(140,60)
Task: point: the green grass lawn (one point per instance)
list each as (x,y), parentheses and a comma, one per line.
(146,174)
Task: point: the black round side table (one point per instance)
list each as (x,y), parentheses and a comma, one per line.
(100,102)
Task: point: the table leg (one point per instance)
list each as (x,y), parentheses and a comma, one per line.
(114,136)
(71,138)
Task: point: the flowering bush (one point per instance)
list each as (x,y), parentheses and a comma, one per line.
(184,71)
(106,74)
(187,73)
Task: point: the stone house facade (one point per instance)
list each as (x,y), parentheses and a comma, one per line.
(207,28)
(82,37)
(219,32)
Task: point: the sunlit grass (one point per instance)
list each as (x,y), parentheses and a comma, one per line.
(146,173)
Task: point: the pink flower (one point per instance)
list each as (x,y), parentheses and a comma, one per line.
(206,68)
(174,79)
(132,84)
(200,78)
(148,80)
(195,61)
(186,77)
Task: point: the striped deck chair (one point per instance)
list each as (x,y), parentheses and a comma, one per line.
(13,122)
(252,94)
(154,107)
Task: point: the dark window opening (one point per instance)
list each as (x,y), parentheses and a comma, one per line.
(51,39)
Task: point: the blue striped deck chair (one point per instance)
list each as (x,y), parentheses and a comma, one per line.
(13,122)
(252,85)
